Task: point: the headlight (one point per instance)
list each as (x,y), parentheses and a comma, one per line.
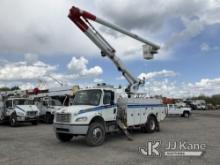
(80,119)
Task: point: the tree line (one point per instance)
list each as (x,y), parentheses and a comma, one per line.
(4,89)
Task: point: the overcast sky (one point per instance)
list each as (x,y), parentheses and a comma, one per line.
(38,41)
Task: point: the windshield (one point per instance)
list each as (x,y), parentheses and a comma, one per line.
(54,102)
(23,102)
(87,97)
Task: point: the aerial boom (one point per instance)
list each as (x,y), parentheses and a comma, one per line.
(81,17)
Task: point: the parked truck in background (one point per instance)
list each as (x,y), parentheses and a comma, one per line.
(183,111)
(198,104)
(49,105)
(54,99)
(17,110)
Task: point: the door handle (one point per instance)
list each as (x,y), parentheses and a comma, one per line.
(114,110)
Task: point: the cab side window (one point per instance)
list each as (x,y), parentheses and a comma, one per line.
(108,97)
(9,104)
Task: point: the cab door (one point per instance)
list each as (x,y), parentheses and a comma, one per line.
(109,107)
(172,109)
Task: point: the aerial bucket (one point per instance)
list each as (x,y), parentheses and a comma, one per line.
(148,52)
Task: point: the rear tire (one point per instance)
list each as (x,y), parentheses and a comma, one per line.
(96,134)
(186,114)
(64,137)
(151,125)
(13,120)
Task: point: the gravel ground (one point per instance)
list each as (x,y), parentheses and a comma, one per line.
(37,145)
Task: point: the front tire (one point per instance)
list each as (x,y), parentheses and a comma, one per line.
(49,118)
(35,122)
(64,137)
(13,120)
(96,134)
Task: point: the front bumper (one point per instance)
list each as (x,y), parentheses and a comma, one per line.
(70,128)
(24,118)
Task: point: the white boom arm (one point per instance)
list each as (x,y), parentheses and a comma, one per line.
(81,17)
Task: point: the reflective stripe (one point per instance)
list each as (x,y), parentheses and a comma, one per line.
(98,108)
(20,108)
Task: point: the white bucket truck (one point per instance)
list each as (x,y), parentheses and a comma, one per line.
(16,109)
(53,100)
(95,111)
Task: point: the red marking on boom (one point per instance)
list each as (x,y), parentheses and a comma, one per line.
(76,14)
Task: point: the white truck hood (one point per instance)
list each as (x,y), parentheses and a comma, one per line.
(74,108)
(26,108)
(54,109)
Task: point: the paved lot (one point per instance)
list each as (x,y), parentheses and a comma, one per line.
(37,145)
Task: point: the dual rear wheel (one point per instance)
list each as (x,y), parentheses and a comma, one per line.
(151,125)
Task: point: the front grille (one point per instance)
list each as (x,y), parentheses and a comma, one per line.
(63,117)
(31,113)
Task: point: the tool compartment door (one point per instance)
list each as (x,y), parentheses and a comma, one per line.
(133,116)
(143,115)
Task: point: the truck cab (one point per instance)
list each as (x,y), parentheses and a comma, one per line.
(94,113)
(50,104)
(17,110)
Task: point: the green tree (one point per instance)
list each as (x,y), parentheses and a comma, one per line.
(15,88)
(3,89)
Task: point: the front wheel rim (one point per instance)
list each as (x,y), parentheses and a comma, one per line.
(97,134)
